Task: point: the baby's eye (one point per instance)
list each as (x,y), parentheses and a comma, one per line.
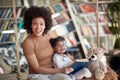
(41,23)
(63,44)
(34,23)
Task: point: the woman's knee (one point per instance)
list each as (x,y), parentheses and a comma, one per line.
(39,77)
(61,77)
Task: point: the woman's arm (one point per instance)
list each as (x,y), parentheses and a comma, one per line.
(28,49)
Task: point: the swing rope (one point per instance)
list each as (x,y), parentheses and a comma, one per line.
(16,40)
(97,24)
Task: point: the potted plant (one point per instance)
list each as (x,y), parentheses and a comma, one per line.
(113,13)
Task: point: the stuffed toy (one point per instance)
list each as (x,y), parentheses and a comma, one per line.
(96,65)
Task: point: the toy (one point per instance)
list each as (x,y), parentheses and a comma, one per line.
(85,72)
(96,65)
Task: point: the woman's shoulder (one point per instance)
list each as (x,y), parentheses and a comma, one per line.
(27,41)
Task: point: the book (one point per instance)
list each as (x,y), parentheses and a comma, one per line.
(82,60)
(104,7)
(4,36)
(22,36)
(62,30)
(80,20)
(54,22)
(77,8)
(62,18)
(103,18)
(6,25)
(66,15)
(4,13)
(70,27)
(78,66)
(86,31)
(68,43)
(19,11)
(10,26)
(106,29)
(1,25)
(101,30)
(93,28)
(100,7)
(58,7)
(8,12)
(86,18)
(1,11)
(72,39)
(87,8)
(87,44)
(22,12)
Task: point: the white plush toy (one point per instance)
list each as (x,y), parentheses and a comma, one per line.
(97,66)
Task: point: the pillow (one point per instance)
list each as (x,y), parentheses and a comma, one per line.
(6,68)
(9,58)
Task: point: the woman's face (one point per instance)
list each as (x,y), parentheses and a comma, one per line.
(38,26)
(60,47)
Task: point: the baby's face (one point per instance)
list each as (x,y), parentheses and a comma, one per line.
(60,47)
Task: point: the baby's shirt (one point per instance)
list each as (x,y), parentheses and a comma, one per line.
(61,61)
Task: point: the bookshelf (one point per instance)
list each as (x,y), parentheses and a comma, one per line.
(63,26)
(11,31)
(7,33)
(91,23)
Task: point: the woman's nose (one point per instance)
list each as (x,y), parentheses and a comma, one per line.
(38,26)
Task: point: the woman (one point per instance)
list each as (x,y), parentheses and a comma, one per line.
(36,47)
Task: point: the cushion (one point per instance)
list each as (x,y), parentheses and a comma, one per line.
(6,68)
(8,55)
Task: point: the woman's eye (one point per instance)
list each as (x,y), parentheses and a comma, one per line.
(41,23)
(34,23)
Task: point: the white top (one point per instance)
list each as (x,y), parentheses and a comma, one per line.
(61,60)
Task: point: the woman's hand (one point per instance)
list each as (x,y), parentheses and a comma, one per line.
(67,70)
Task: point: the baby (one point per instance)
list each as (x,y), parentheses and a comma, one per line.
(60,60)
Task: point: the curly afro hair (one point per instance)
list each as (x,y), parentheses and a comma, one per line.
(33,12)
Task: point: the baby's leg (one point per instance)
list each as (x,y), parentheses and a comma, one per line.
(83,73)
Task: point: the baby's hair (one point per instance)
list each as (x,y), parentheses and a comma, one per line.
(34,12)
(54,40)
